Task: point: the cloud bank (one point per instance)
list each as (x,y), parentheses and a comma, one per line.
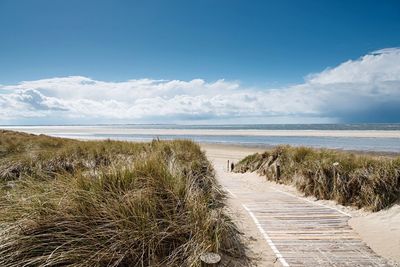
(362,90)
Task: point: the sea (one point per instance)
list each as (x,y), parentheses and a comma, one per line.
(130,132)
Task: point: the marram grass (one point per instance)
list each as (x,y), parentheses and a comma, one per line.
(360,180)
(106,203)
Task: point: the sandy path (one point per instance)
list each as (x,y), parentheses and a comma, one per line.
(261,254)
(276,220)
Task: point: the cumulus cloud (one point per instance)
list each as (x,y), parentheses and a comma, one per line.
(379,66)
(366,89)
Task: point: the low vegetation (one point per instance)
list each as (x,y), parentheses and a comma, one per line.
(109,203)
(360,180)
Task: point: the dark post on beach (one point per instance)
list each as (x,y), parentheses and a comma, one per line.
(278,169)
(227,166)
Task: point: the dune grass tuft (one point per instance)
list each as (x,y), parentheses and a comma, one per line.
(360,180)
(108,203)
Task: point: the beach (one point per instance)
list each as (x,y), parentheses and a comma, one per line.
(200,133)
(378,230)
(75,130)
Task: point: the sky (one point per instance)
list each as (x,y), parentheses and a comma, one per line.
(208,61)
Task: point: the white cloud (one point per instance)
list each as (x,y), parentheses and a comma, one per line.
(379,66)
(364,89)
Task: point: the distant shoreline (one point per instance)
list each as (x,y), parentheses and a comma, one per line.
(369,141)
(67,130)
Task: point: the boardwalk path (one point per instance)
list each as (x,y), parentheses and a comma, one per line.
(299,232)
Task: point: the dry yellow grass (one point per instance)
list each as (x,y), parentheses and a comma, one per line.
(360,180)
(107,203)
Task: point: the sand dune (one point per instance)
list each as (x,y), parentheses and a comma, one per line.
(381,231)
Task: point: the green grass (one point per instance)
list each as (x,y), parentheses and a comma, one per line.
(107,203)
(360,180)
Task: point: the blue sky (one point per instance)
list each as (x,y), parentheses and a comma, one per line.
(255,47)
(257,42)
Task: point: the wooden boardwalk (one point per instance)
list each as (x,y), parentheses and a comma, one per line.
(302,232)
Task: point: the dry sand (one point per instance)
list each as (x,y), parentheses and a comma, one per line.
(380,230)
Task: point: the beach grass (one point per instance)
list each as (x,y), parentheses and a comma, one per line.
(361,180)
(110,203)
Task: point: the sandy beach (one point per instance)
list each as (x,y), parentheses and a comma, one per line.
(68,130)
(379,230)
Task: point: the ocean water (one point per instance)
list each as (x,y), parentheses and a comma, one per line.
(353,126)
(127,133)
